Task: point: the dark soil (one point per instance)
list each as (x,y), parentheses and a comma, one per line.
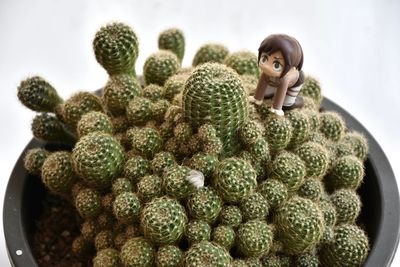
(54,233)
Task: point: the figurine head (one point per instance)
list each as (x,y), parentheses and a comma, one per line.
(278,53)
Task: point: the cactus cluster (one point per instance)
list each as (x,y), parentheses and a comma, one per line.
(180,169)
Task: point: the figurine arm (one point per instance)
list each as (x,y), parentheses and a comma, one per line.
(261,87)
(288,80)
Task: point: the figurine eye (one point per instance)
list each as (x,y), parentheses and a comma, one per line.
(264,58)
(277,66)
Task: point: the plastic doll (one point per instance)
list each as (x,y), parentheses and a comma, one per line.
(280,59)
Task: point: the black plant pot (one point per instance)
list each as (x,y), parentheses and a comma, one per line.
(380,197)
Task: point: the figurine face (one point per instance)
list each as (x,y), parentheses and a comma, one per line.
(272,64)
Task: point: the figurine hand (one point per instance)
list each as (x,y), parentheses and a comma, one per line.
(255,101)
(278,112)
(291,76)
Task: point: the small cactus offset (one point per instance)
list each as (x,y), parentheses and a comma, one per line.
(168,256)
(116,48)
(349,248)
(173,40)
(214,94)
(206,254)
(97,158)
(300,224)
(254,238)
(119,90)
(163,220)
(210,53)
(312,89)
(94,121)
(160,66)
(38,95)
(34,159)
(57,172)
(47,127)
(197,231)
(244,63)
(234,179)
(137,251)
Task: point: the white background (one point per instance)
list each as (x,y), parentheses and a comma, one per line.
(353,47)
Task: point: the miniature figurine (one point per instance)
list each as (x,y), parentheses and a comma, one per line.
(280,58)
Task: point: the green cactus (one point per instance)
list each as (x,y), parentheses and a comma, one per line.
(88,203)
(159,66)
(116,48)
(300,126)
(108,257)
(307,260)
(260,150)
(197,231)
(274,191)
(98,158)
(244,63)
(271,260)
(346,172)
(38,95)
(312,89)
(313,119)
(147,142)
(213,146)
(121,185)
(94,121)
(231,216)
(210,53)
(103,240)
(126,207)
(77,105)
(206,132)
(160,107)
(153,92)
(137,252)
(315,157)
(278,132)
(234,179)
(359,144)
(255,206)
(347,204)
(163,220)
(119,90)
(173,113)
(206,253)
(329,211)
(204,204)
(214,94)
(349,248)
(183,131)
(162,161)
(247,262)
(139,110)
(48,128)
(89,229)
(175,183)
(205,163)
(57,172)
(168,256)
(289,169)
(173,40)
(312,188)
(224,236)
(135,168)
(34,159)
(332,125)
(300,223)
(174,85)
(254,238)
(250,132)
(250,84)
